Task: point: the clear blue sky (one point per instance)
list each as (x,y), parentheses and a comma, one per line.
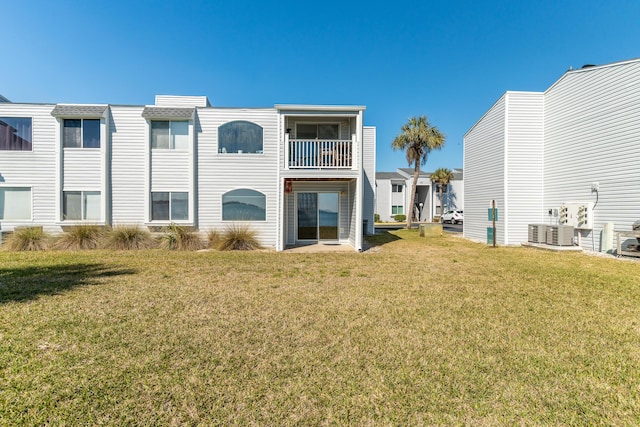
(449,59)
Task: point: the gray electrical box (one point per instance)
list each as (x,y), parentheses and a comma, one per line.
(537,233)
(560,235)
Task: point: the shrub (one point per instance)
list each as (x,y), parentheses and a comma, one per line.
(213,239)
(80,237)
(376,217)
(177,237)
(128,237)
(239,238)
(27,239)
(400,217)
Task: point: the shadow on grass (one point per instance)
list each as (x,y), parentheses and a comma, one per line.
(29,283)
(381,238)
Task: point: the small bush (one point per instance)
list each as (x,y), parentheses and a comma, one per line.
(213,239)
(177,237)
(128,237)
(400,218)
(80,237)
(27,239)
(376,217)
(239,238)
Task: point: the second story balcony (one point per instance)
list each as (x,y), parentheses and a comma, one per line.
(320,153)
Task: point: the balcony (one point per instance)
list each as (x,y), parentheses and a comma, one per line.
(320,154)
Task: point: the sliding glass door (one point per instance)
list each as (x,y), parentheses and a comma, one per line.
(318,216)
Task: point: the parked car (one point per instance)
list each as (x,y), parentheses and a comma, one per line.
(454,217)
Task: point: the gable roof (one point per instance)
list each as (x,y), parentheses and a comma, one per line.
(389,175)
(82,111)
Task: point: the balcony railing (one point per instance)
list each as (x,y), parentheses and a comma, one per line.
(320,154)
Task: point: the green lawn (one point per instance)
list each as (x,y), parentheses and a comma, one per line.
(412,332)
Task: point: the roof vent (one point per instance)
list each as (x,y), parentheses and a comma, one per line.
(588,66)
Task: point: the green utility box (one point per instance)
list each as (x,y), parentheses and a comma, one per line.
(430,230)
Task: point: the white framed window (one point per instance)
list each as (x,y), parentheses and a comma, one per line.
(15,134)
(170,135)
(15,203)
(169,206)
(318,130)
(244,204)
(240,137)
(397,188)
(81,206)
(397,210)
(81,133)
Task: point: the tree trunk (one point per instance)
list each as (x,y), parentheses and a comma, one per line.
(416,173)
(441,202)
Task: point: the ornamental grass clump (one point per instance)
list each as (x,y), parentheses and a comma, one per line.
(239,238)
(128,237)
(80,237)
(213,239)
(179,238)
(27,239)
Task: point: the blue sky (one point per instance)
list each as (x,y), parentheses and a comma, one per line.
(450,59)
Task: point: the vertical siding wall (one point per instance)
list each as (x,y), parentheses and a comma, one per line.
(369,175)
(592,134)
(484,154)
(523,165)
(219,173)
(129,146)
(36,168)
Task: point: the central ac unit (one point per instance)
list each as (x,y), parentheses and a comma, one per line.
(560,235)
(538,233)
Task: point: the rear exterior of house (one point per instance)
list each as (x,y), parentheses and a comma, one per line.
(295,174)
(577,143)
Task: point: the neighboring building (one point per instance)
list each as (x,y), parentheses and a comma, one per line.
(393,190)
(295,173)
(577,143)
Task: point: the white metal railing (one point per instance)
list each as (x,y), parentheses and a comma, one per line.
(320,153)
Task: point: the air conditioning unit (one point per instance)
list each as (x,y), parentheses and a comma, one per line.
(560,235)
(538,233)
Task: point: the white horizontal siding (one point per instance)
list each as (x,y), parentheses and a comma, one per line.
(592,134)
(82,169)
(181,101)
(219,173)
(128,150)
(369,174)
(170,170)
(36,168)
(484,156)
(524,164)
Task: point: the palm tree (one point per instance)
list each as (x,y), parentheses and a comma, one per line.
(442,177)
(417,139)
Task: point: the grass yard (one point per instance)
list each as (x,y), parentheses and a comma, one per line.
(412,332)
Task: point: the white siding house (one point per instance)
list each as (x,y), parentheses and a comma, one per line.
(393,190)
(296,174)
(577,142)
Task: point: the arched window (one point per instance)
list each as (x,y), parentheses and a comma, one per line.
(240,137)
(243,205)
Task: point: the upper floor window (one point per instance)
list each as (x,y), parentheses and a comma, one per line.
(396,188)
(15,134)
(81,206)
(320,131)
(240,137)
(15,203)
(81,133)
(243,205)
(170,135)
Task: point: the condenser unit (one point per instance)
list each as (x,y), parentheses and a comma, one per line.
(560,235)
(538,233)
